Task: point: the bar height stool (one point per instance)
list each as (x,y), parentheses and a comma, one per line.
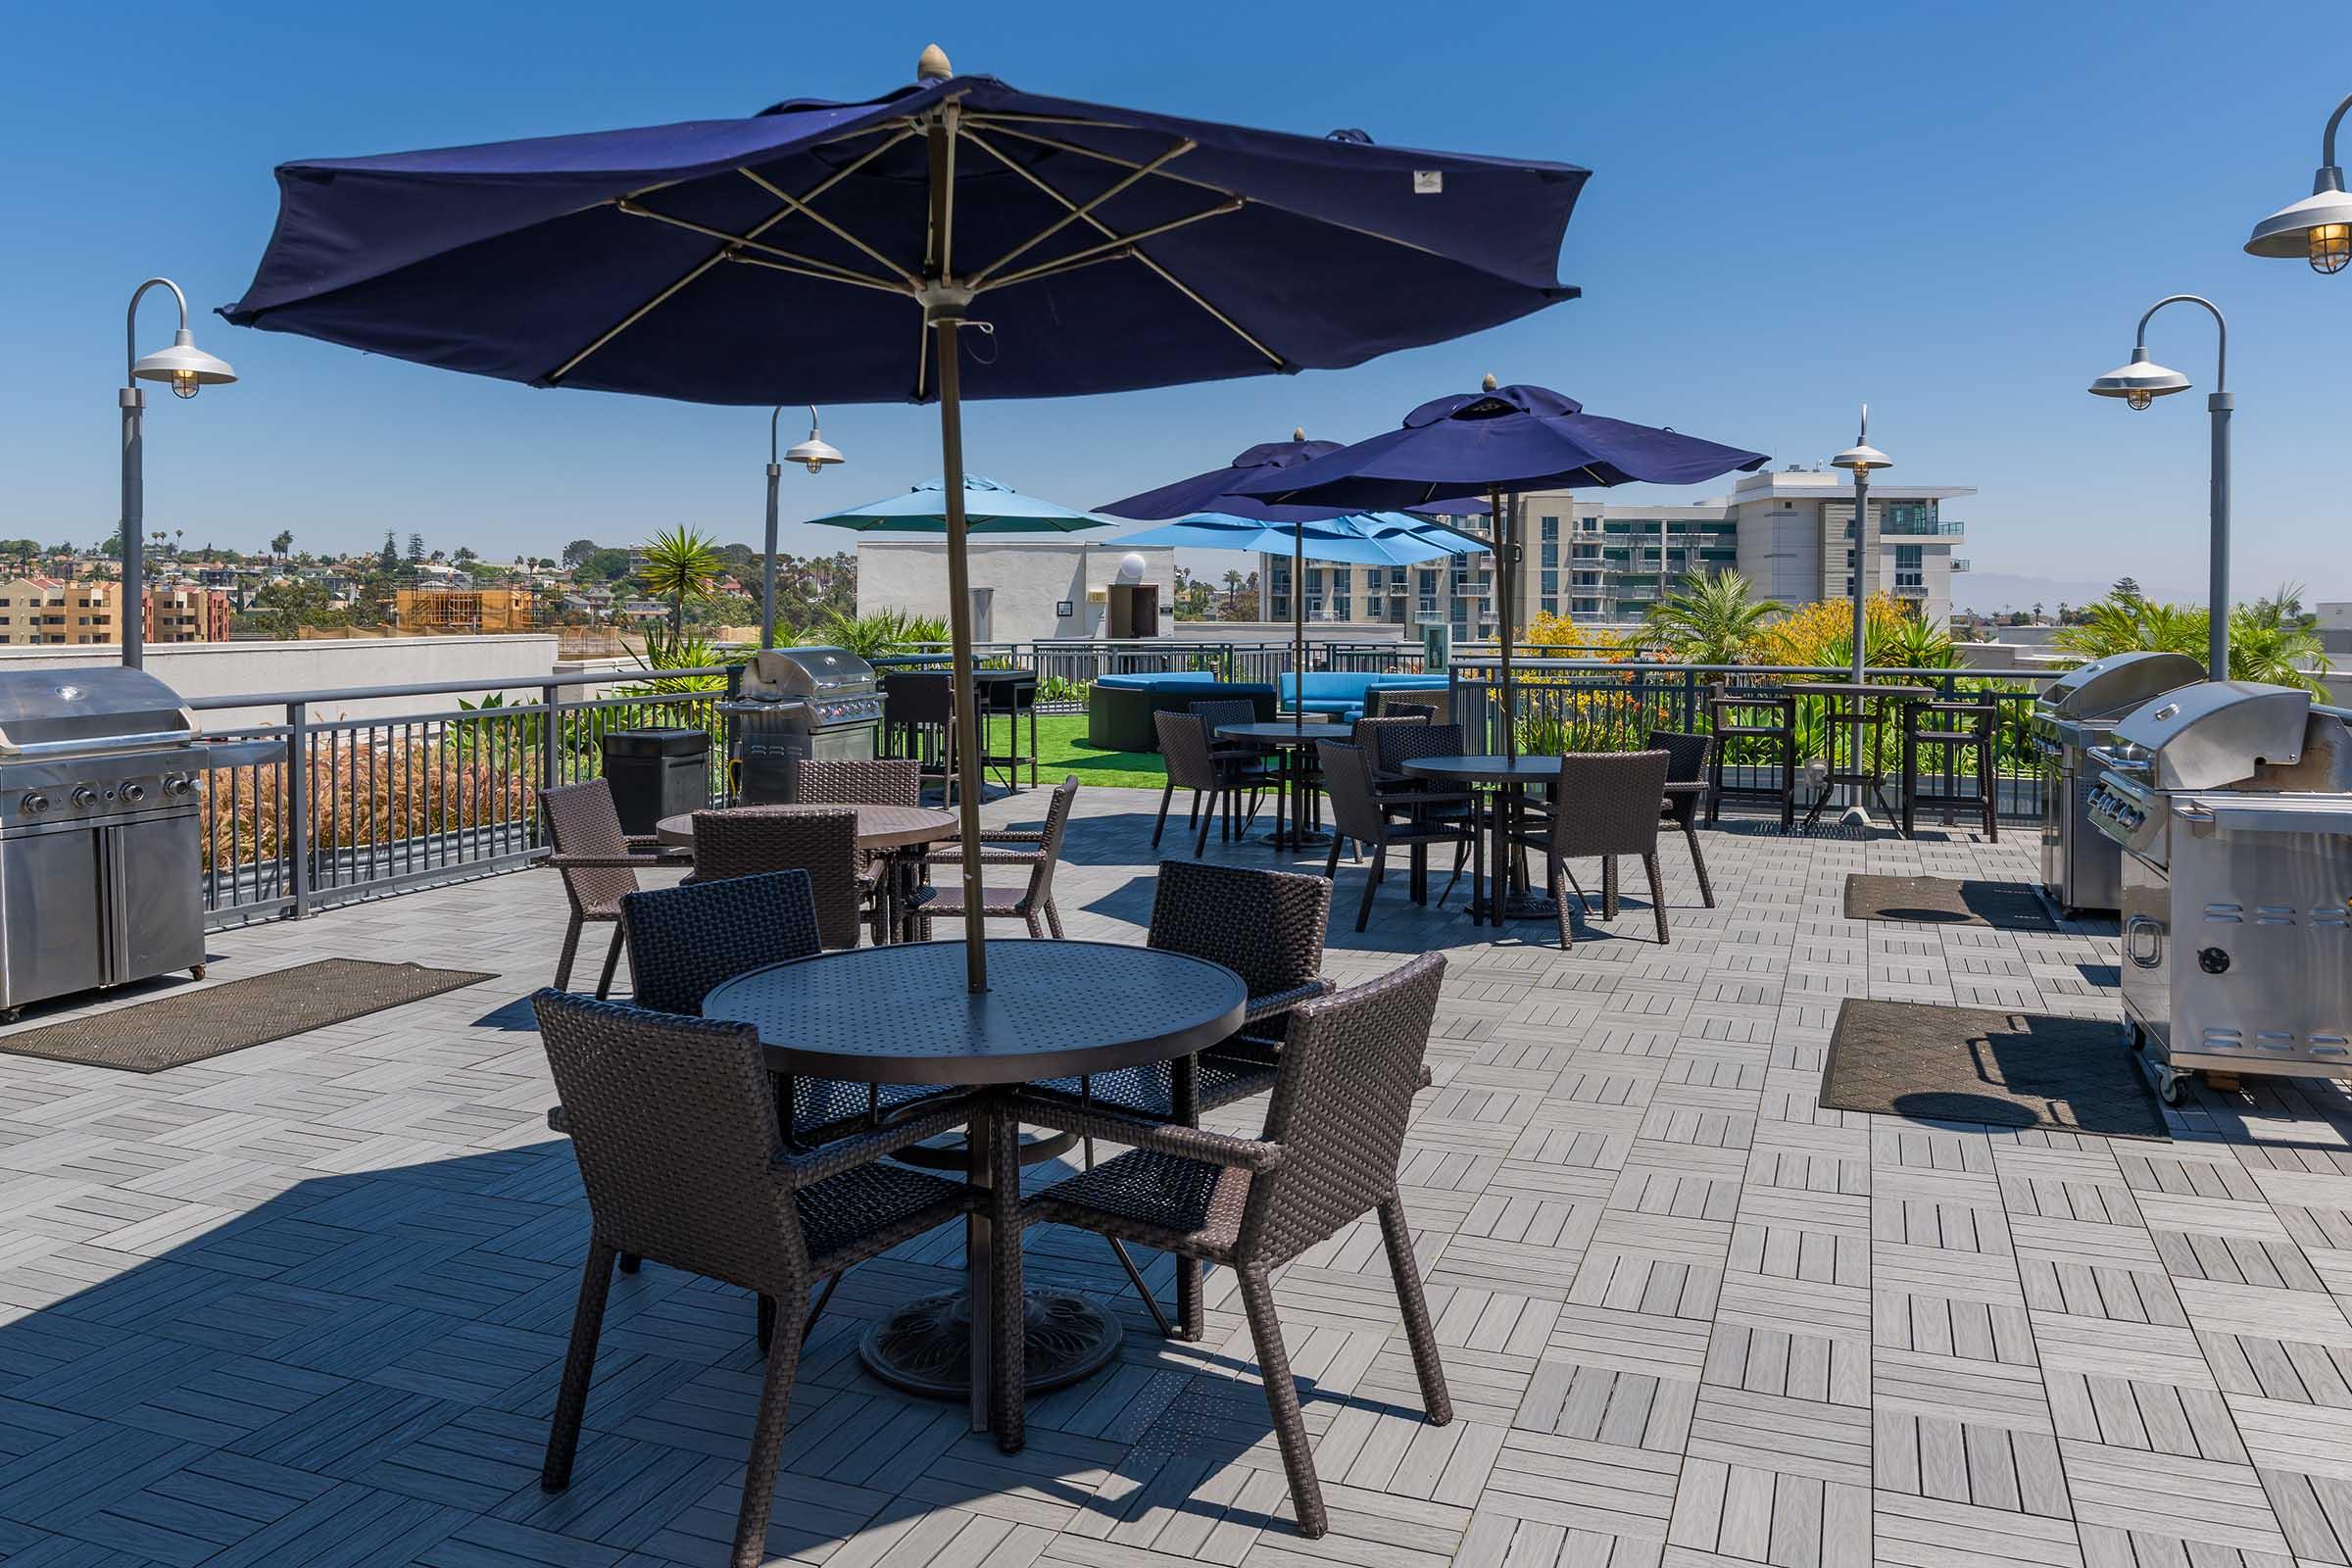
(1970,724)
(1764,717)
(1858,722)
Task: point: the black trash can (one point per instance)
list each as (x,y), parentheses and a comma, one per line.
(656,773)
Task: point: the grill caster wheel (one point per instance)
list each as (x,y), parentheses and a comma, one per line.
(195,971)
(2174,1087)
(11,1014)
(2135,1036)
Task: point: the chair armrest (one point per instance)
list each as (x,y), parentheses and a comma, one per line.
(926,1119)
(988,857)
(1160,1136)
(1260,1008)
(616,862)
(1688,786)
(556,1121)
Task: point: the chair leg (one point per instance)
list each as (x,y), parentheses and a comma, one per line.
(1331,862)
(580,1365)
(1986,785)
(1168,794)
(1036,926)
(571,951)
(1282,1402)
(1556,875)
(604,983)
(1461,853)
(1053,919)
(1372,874)
(1657,894)
(1191,818)
(1608,887)
(768,1440)
(1698,863)
(630,1262)
(1208,819)
(1419,1332)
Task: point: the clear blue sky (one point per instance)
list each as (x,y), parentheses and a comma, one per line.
(1954,211)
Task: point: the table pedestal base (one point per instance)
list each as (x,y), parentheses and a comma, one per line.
(925,1347)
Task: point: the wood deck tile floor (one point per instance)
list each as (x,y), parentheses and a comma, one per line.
(306,1304)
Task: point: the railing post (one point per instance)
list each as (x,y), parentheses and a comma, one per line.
(1689,719)
(550,762)
(298,806)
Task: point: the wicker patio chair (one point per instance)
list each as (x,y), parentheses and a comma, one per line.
(1686,757)
(1358,811)
(1608,804)
(599,862)
(820,840)
(1333,1133)
(678,1147)
(1267,927)
(685,942)
(1393,746)
(1427,713)
(865,781)
(1211,770)
(1033,902)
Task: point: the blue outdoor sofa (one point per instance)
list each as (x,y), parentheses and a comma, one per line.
(1343,693)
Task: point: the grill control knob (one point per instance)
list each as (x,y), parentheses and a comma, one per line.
(33,804)
(177,784)
(134,792)
(83,795)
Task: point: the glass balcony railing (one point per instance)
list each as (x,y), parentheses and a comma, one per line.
(1929,529)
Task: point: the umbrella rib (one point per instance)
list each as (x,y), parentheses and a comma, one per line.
(717,256)
(1110,249)
(1182,179)
(819,219)
(1164,275)
(736,244)
(980,278)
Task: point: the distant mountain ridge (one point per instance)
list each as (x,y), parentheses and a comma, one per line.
(1991,591)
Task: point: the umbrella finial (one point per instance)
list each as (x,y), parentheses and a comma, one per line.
(933,65)
(1487,385)
(1297,432)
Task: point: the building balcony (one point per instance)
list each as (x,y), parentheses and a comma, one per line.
(1935,528)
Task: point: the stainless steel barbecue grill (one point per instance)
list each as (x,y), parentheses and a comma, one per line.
(2082,869)
(2233,803)
(798,702)
(100,786)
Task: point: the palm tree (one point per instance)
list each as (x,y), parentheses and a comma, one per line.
(1710,618)
(681,564)
(283,544)
(2264,644)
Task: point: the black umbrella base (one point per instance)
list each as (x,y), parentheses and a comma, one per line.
(925,1347)
(1520,906)
(1290,839)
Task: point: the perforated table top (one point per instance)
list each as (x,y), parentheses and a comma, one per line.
(900,1014)
(879,827)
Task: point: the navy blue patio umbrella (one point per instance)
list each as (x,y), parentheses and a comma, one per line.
(1501,442)
(1217,492)
(955,238)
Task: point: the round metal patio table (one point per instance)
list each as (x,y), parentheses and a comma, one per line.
(900,1014)
(887,830)
(1491,869)
(1297,744)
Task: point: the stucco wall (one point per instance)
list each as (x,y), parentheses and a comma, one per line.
(227,670)
(1029,580)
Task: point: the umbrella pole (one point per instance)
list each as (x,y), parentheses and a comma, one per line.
(945,315)
(1299,633)
(1506,568)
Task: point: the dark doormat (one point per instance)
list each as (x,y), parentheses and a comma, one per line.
(1940,901)
(214,1020)
(2009,1069)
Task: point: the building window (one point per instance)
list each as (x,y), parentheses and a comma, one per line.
(1372,605)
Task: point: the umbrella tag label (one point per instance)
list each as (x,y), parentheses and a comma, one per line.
(1429,181)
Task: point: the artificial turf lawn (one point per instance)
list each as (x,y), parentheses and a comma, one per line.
(1063,751)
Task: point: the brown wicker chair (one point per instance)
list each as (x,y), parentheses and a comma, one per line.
(1360,811)
(1686,757)
(1335,1131)
(865,781)
(1212,770)
(600,863)
(676,1137)
(1033,902)
(822,840)
(1606,804)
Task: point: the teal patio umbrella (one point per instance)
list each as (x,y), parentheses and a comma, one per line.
(988,508)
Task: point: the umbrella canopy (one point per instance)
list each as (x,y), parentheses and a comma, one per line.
(1368,539)
(890,249)
(1502,441)
(988,508)
(1219,489)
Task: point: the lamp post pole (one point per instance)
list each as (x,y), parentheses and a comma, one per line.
(188,369)
(1860,588)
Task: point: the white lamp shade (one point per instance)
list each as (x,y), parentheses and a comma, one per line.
(1862,459)
(2287,232)
(183,363)
(2142,379)
(813,453)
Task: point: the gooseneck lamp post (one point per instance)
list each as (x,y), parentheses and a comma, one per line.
(815,455)
(2141,383)
(189,371)
(2318,229)
(1862,459)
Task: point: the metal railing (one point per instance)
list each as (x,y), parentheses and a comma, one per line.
(357,806)
(1567,705)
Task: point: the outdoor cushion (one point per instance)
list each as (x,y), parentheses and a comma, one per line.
(1119,710)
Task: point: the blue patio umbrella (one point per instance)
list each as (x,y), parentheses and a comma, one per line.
(957,236)
(1499,441)
(988,508)
(1216,494)
(1373,539)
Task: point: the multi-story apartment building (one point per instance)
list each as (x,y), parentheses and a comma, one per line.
(1789,533)
(185,614)
(87,612)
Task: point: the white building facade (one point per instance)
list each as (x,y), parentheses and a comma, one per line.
(1025,589)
